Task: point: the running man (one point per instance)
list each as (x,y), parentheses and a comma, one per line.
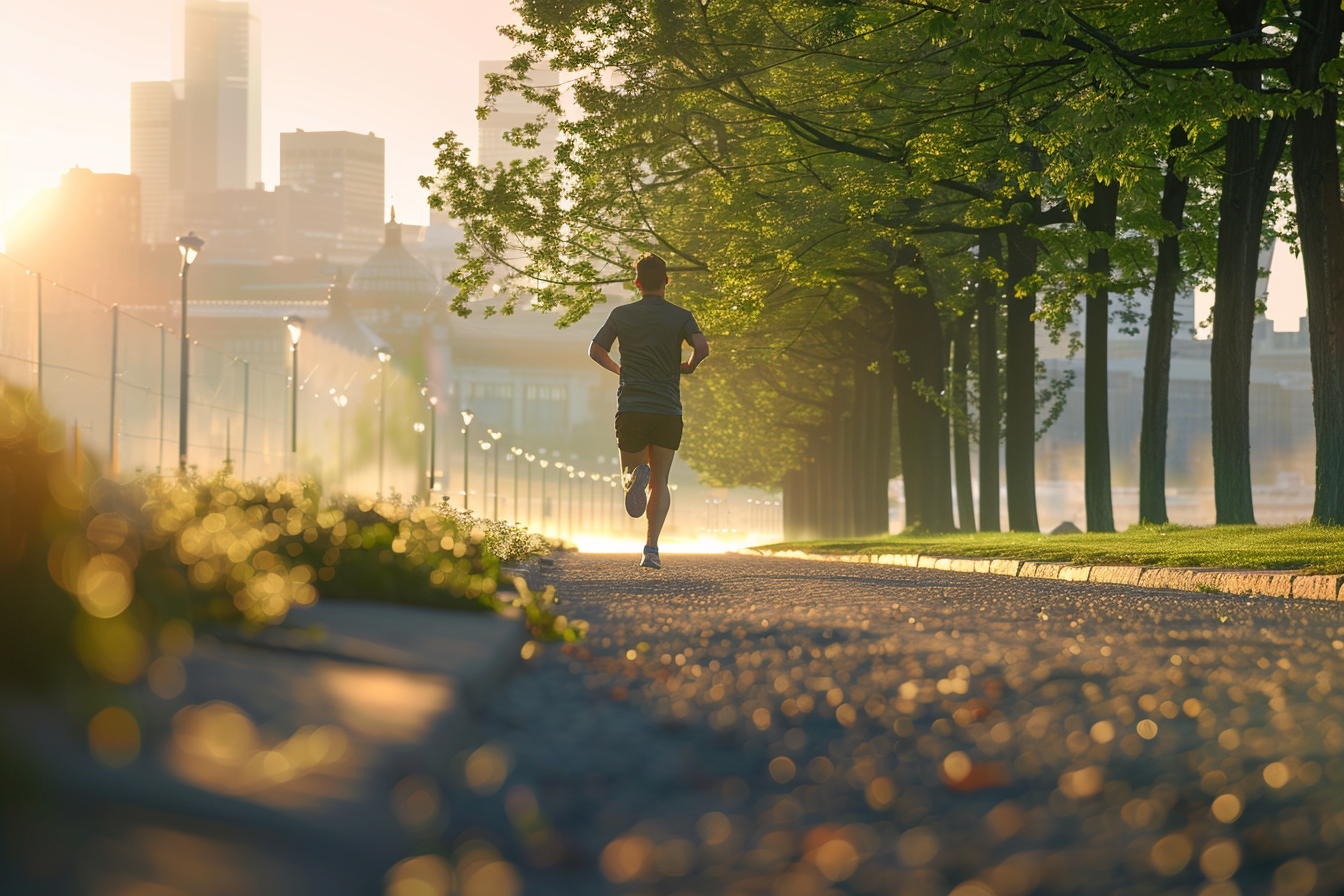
(648,400)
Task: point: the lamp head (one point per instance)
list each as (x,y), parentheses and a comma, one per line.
(545,463)
(494,435)
(341,401)
(467,417)
(495,287)
(434,400)
(418,427)
(190,246)
(515,451)
(384,354)
(485,446)
(295,325)
(530,457)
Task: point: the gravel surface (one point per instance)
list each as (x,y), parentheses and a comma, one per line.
(749,725)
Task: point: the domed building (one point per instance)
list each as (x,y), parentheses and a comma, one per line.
(392,291)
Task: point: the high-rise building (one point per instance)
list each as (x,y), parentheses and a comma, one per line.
(152,104)
(342,175)
(84,234)
(217,58)
(511,111)
(201,131)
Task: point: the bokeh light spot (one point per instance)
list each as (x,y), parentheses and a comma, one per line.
(114,737)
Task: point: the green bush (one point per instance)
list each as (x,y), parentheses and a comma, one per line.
(99,574)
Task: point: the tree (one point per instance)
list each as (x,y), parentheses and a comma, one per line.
(851,155)
(1315,71)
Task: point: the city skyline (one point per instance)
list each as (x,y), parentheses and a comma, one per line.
(338,71)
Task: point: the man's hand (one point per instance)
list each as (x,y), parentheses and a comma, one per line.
(699,352)
(603,358)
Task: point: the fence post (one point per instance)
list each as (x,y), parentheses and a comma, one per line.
(38,274)
(247,394)
(163,387)
(112,400)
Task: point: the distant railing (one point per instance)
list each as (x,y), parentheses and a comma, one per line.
(113,379)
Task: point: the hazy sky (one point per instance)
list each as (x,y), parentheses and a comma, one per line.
(404,69)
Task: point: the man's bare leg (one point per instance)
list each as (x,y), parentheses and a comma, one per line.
(635,501)
(660,498)
(630,460)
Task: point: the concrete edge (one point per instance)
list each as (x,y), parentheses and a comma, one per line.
(1254,583)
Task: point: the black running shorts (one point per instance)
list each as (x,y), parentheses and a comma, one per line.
(635,430)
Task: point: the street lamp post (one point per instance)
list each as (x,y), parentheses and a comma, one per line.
(606,505)
(433,441)
(419,428)
(384,355)
(467,417)
(569,501)
(494,436)
(433,438)
(190,246)
(341,401)
(295,325)
(582,476)
(485,446)
(516,452)
(544,464)
(530,458)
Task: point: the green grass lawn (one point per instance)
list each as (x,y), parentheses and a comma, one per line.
(1313,549)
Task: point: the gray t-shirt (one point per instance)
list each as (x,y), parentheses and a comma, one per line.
(650,332)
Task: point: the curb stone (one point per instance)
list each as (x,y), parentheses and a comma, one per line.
(527,570)
(1227,581)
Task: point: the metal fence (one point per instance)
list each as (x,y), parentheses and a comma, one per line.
(113,378)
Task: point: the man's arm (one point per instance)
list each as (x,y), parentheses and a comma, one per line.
(699,352)
(603,358)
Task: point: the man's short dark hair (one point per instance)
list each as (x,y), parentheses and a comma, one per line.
(651,271)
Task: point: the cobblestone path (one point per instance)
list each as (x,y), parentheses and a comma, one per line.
(748,725)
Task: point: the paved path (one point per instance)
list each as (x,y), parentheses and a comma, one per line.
(763,726)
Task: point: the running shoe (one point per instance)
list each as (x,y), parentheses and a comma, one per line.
(651,560)
(636,491)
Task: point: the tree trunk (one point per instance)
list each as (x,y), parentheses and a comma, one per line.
(1019,436)
(987,332)
(925,460)
(1098,218)
(1157,363)
(879,452)
(1251,154)
(795,502)
(840,488)
(858,443)
(1320,223)
(961,442)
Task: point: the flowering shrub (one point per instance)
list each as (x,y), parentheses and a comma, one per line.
(258,548)
(105,566)
(504,540)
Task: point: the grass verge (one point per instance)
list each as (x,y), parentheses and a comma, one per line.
(1316,550)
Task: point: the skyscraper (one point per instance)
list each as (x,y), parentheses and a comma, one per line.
(218,60)
(342,174)
(511,111)
(152,105)
(201,131)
